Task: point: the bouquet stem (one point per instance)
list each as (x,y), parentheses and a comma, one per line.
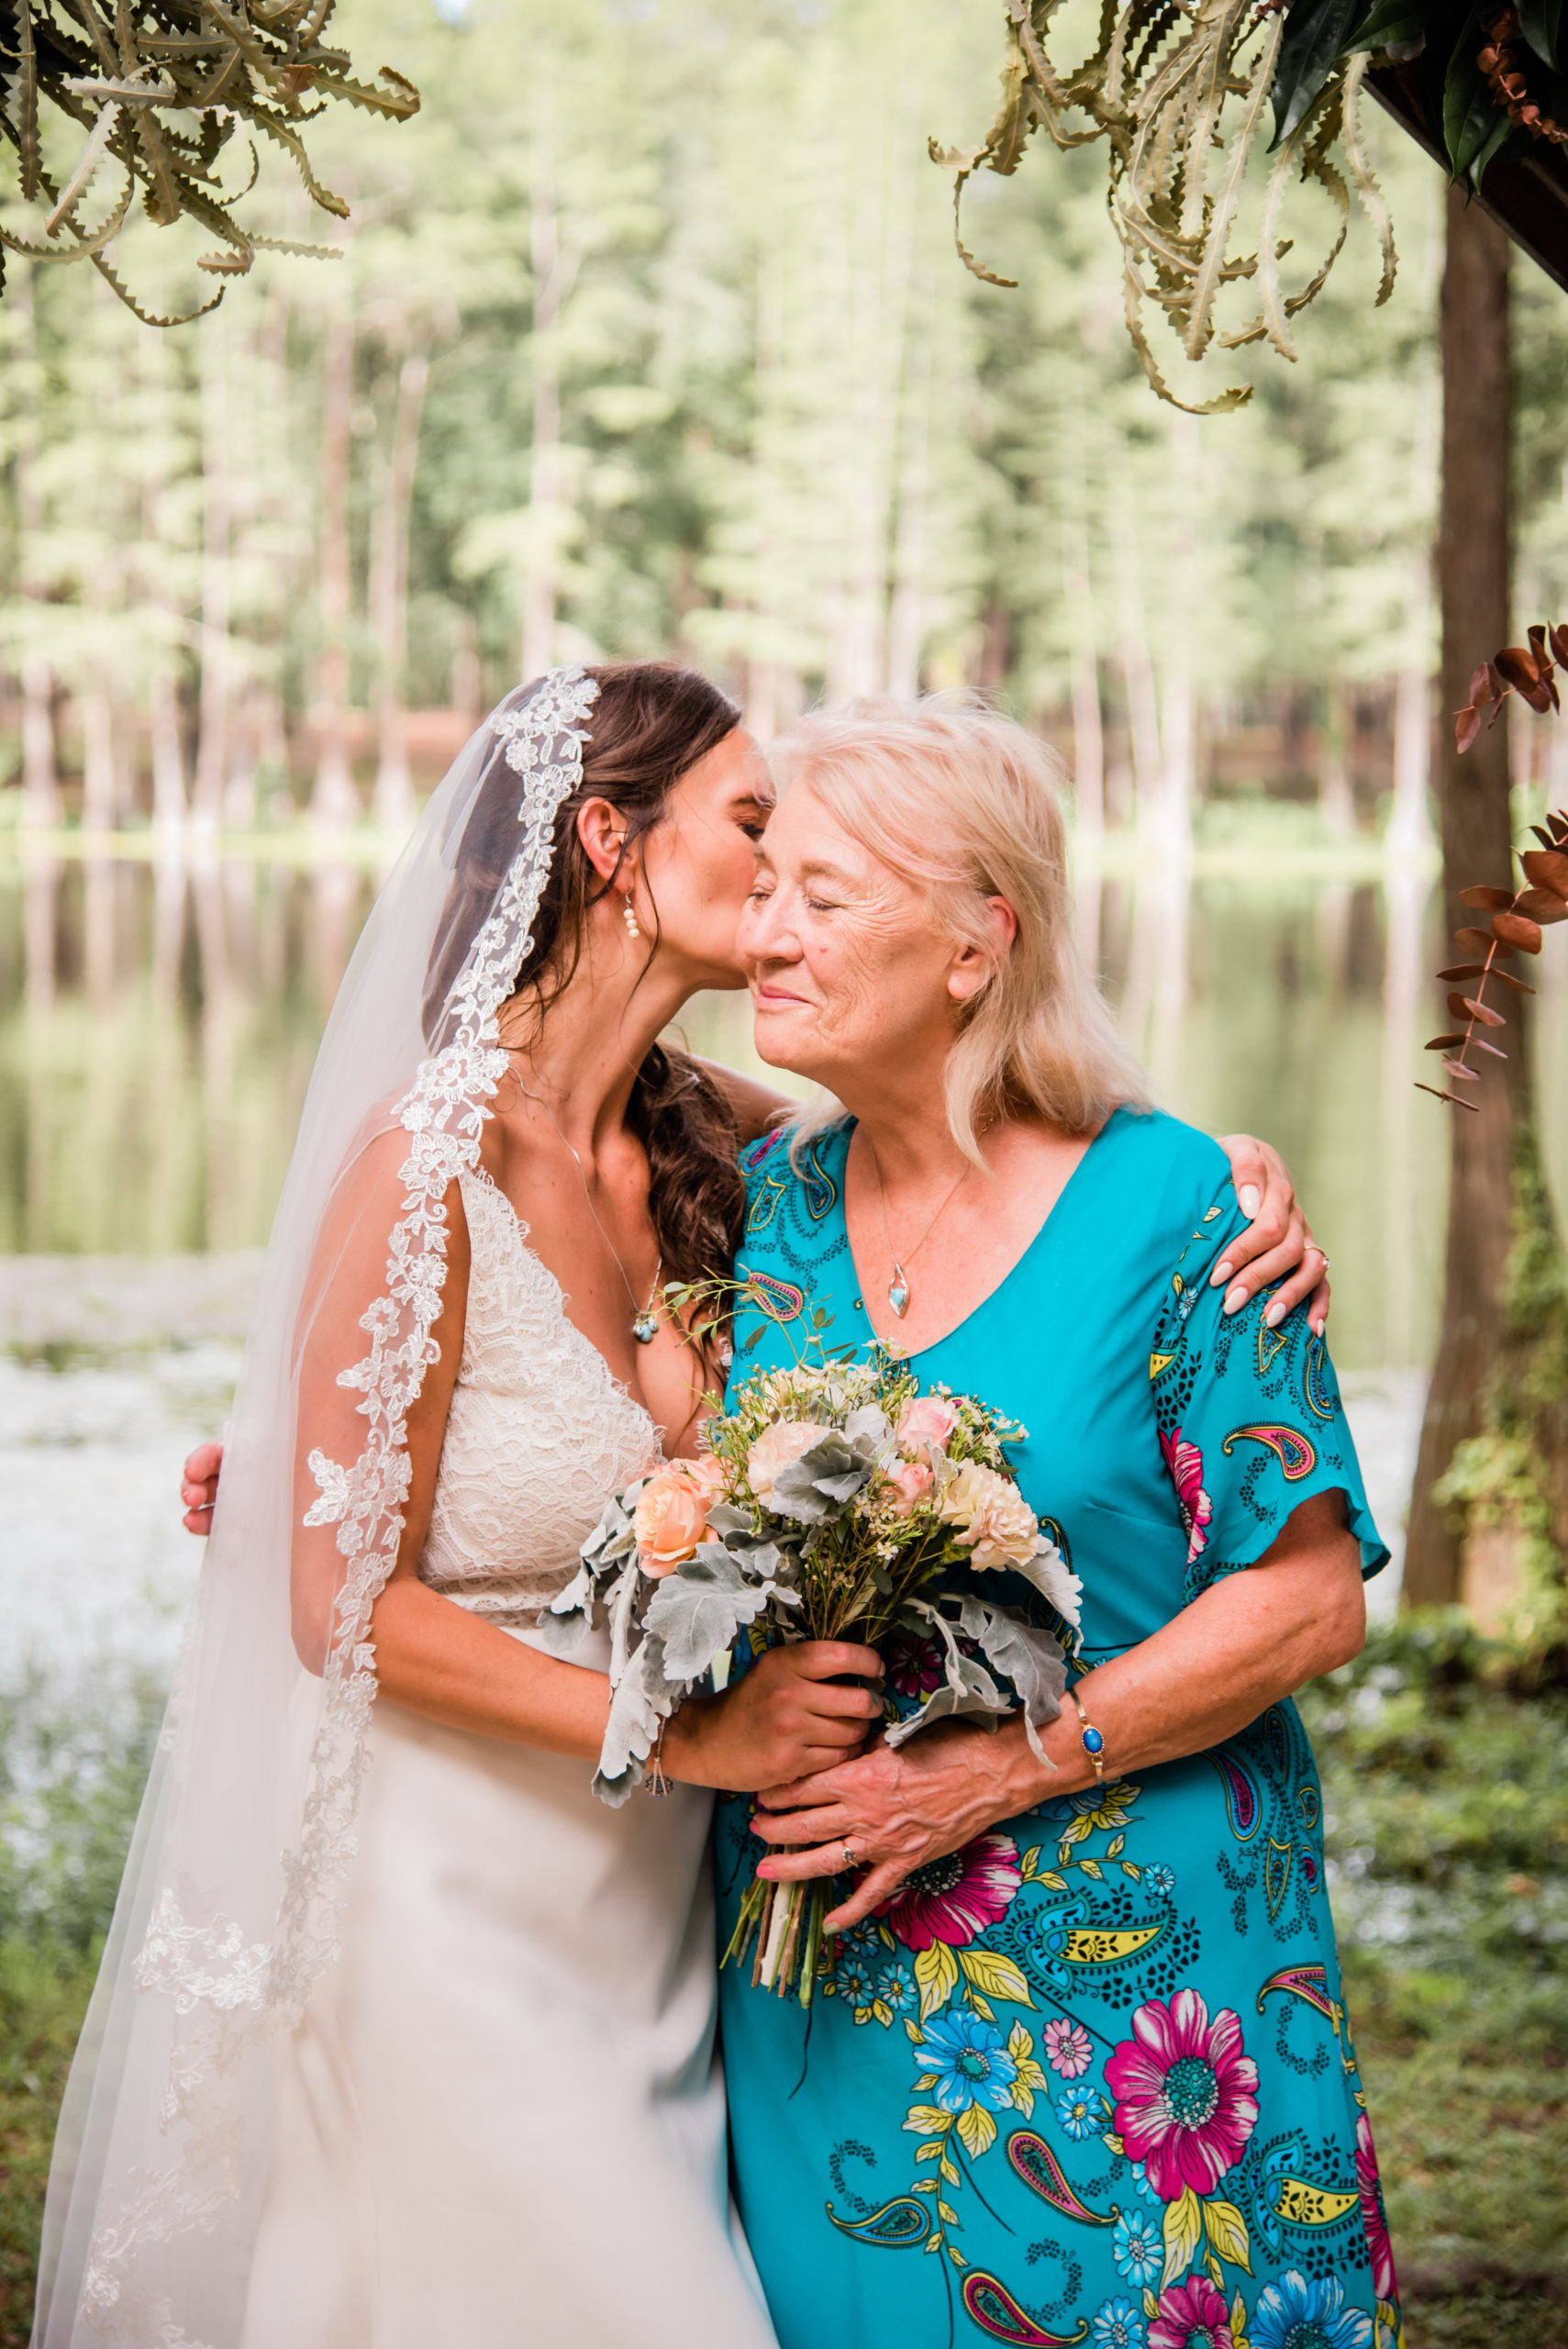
(781,1926)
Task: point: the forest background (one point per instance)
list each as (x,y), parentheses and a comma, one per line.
(649,338)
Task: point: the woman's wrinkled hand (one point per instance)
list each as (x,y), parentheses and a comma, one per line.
(198,1489)
(1277,1243)
(897,1807)
(787,1717)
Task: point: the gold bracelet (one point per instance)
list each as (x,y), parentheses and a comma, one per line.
(1094,1744)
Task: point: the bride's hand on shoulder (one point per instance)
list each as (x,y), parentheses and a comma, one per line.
(1277,1244)
(788,1716)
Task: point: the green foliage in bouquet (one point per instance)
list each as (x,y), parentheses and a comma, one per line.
(834,1501)
(1183,96)
(160,88)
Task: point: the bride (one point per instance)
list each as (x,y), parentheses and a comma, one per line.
(497,2116)
(400,2038)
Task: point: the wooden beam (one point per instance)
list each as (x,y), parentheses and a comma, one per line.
(1527,195)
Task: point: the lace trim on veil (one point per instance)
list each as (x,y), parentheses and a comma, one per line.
(236,1990)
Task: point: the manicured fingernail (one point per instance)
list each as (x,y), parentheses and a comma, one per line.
(1249,1199)
(1221,1274)
(1235,1298)
(1318,1325)
(1275,1313)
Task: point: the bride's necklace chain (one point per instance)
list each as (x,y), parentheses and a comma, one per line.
(899,1292)
(644,1318)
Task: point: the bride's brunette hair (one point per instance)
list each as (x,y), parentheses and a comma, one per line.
(651,723)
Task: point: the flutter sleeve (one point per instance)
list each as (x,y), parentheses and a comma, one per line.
(1250,1420)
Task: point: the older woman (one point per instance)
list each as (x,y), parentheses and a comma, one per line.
(1078,2069)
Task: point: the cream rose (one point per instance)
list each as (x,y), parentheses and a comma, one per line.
(672,1517)
(926,1425)
(774,1451)
(911,1481)
(991,1515)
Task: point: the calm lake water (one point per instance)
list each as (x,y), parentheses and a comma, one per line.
(157,1028)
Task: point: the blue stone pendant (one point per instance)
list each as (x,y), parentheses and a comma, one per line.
(898,1291)
(645,1329)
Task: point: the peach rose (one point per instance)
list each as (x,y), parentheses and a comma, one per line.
(911,1481)
(773,1449)
(992,1516)
(671,1517)
(711,1473)
(926,1425)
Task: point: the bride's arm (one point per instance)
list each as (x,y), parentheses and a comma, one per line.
(434,1657)
(757,1108)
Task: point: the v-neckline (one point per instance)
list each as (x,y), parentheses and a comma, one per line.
(519,1229)
(1036,1240)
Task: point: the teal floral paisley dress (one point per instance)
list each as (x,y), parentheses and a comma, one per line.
(1089,2080)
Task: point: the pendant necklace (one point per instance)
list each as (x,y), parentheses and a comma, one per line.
(644,1318)
(898,1289)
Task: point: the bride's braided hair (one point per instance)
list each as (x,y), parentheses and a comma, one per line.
(651,723)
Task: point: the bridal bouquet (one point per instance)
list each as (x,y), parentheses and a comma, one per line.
(834,1501)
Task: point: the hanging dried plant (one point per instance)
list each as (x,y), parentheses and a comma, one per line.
(1516,917)
(160,88)
(1178,91)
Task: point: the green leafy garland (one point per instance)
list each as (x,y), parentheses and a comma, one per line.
(1180,92)
(160,88)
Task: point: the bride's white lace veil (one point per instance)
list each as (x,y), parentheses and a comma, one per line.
(229,1910)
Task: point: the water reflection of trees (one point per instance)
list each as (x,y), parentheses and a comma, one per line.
(158,1021)
(155,1045)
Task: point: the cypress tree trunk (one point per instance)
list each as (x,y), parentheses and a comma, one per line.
(1473,566)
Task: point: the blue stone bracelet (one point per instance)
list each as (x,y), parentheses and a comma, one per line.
(1094,1744)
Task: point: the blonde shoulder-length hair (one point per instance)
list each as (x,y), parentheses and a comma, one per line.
(963,803)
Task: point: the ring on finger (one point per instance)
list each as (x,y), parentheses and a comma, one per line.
(848,1854)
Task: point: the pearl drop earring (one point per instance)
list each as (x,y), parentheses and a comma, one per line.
(629,914)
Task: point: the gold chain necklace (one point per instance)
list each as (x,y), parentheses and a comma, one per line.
(898,1289)
(645,1318)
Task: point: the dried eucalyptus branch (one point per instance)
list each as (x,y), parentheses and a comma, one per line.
(159,87)
(1518,916)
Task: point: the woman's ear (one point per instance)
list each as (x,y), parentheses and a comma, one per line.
(972,965)
(601,828)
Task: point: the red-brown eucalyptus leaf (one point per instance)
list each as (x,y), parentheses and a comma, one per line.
(1481,1045)
(1463,971)
(1547,868)
(1518,664)
(1518,929)
(1442,1044)
(1509,980)
(1491,900)
(1483,1011)
(1557,825)
(1481,685)
(1557,638)
(1466,725)
(1458,1008)
(1544,906)
(1480,942)
(1543,664)
(1465,1076)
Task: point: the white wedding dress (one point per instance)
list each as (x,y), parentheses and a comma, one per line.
(500,2124)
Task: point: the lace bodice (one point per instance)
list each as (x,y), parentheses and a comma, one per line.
(540,1434)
